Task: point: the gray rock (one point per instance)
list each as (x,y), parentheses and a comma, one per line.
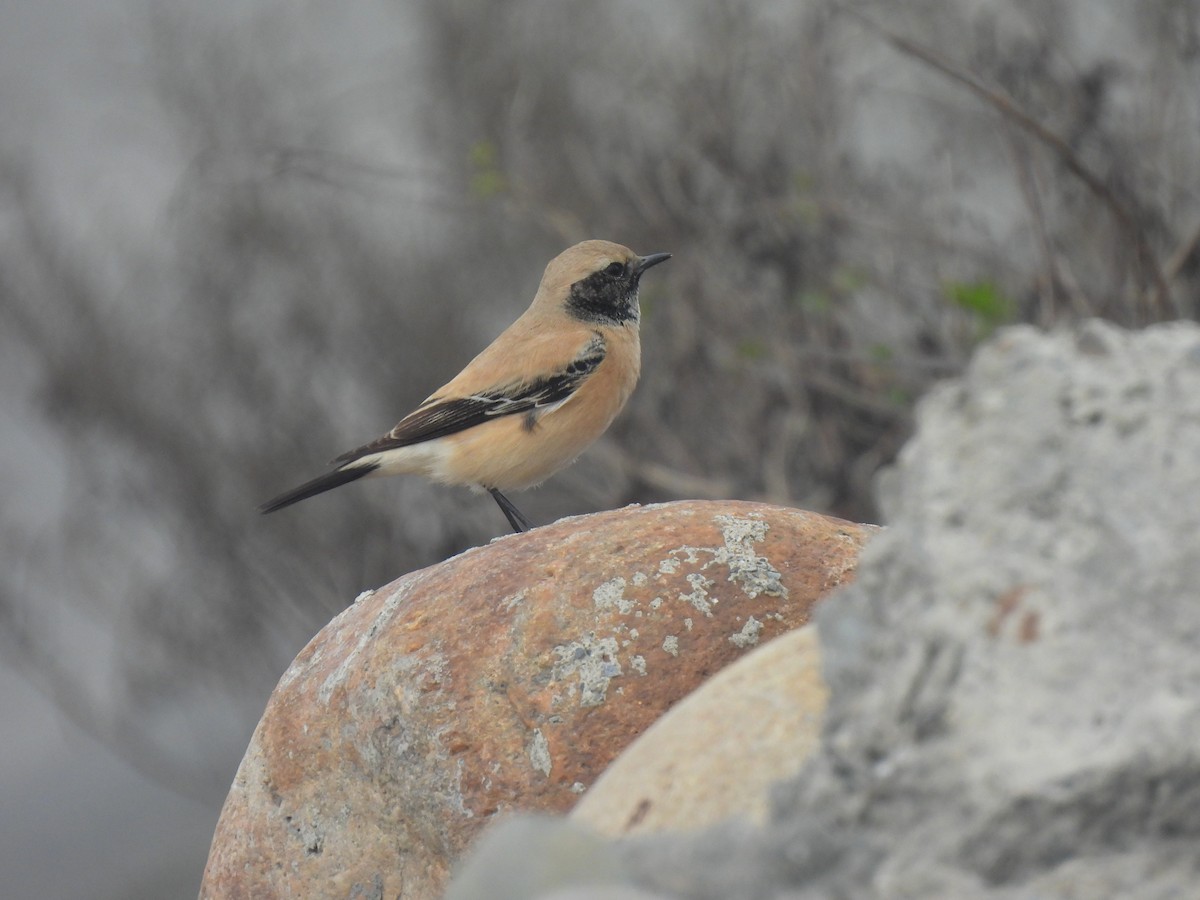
(1015,675)
(1014,679)
(537,856)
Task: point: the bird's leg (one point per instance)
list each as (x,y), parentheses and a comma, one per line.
(518,522)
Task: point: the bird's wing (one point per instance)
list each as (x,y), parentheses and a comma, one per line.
(440,415)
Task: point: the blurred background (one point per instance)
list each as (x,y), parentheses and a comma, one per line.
(237,239)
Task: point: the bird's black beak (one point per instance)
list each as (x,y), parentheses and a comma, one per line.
(645,262)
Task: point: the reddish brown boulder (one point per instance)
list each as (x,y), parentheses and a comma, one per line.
(506,678)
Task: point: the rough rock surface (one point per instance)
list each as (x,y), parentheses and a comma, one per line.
(504,679)
(715,754)
(570,856)
(1015,674)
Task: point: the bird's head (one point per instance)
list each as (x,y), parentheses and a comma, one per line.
(597,281)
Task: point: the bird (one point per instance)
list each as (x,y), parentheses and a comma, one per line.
(531,402)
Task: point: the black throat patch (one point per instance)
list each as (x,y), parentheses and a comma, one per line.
(604,299)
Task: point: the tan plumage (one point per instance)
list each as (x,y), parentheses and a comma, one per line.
(534,399)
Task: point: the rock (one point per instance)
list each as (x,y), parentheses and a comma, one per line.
(535,855)
(1014,678)
(715,754)
(1014,707)
(504,679)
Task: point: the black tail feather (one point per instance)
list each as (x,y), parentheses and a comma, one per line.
(318,485)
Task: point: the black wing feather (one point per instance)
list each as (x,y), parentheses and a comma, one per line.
(439,417)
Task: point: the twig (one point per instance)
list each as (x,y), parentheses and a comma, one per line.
(851,396)
(662,477)
(1182,254)
(1071,284)
(1160,295)
(1026,178)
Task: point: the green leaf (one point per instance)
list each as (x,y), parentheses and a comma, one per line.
(980,297)
(486,180)
(813,301)
(991,307)
(752,349)
(882,353)
(483,155)
(848,279)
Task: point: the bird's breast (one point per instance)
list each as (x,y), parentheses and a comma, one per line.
(519,451)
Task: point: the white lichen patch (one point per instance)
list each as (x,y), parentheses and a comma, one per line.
(387,611)
(420,678)
(593,660)
(748,636)
(639,579)
(698,596)
(638,664)
(512,600)
(539,752)
(671,644)
(611,595)
(364,595)
(752,572)
(456,795)
(687,623)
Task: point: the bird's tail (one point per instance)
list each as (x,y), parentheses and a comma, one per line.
(318,485)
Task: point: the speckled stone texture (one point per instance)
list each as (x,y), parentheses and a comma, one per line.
(715,754)
(1014,676)
(504,679)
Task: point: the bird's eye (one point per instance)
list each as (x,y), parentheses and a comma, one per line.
(615,269)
